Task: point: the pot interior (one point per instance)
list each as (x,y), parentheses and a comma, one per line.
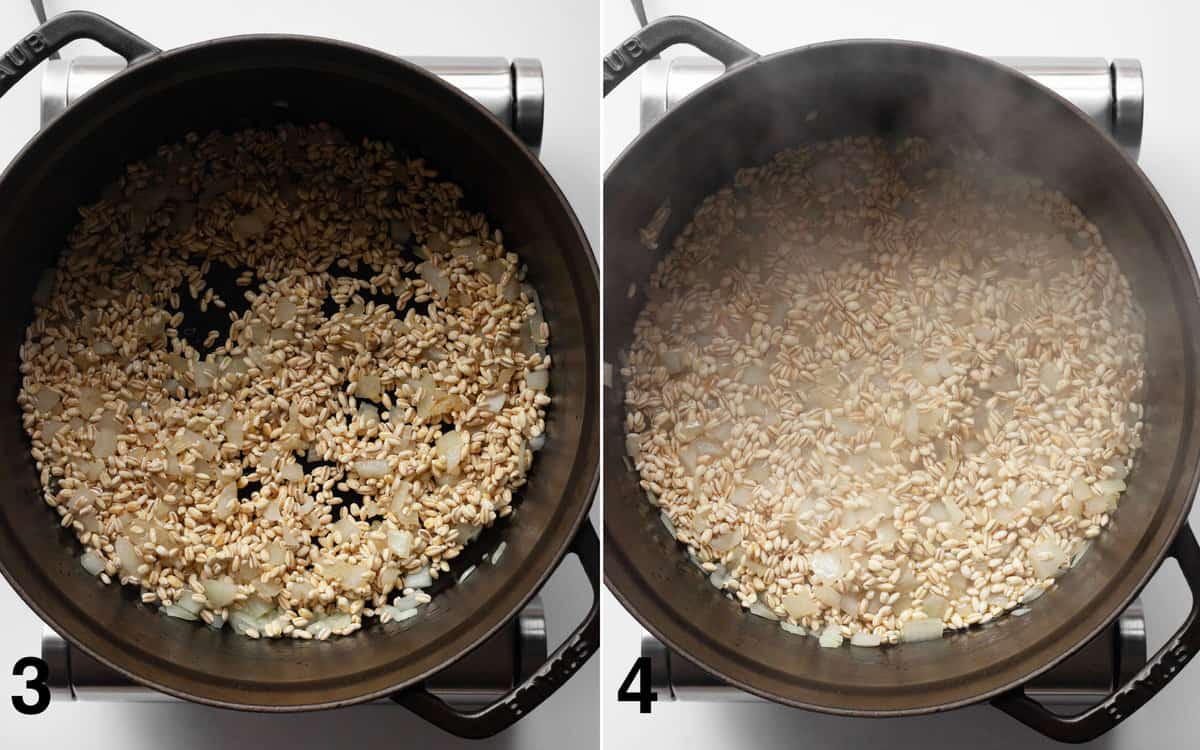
(237,83)
(888,89)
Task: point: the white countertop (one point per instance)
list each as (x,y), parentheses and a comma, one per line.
(571,148)
(1162,35)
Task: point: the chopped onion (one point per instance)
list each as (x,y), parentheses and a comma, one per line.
(827,595)
(911,425)
(934,606)
(347,529)
(89,401)
(538,380)
(400,542)
(50,428)
(369,387)
(742,496)
(371,469)
(726,541)
(220,593)
(755,375)
(800,603)
(758,609)
(173,610)
(1049,376)
(1048,559)
(92,562)
(292,471)
(827,566)
(668,525)
(674,360)
(1110,486)
(793,629)
(831,637)
(106,442)
(451,446)
(435,278)
(234,432)
(495,401)
(48,400)
(418,580)
(227,502)
(915,631)
(129,558)
(866,640)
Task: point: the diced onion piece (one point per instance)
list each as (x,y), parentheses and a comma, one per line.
(831,637)
(369,387)
(865,640)
(792,628)
(935,606)
(106,442)
(451,446)
(50,428)
(668,524)
(405,603)
(347,528)
(758,609)
(92,562)
(418,580)
(48,400)
(234,432)
(755,375)
(1048,559)
(372,469)
(89,401)
(435,278)
(911,425)
(915,631)
(827,565)
(495,401)
(674,360)
(827,595)
(1049,375)
(220,593)
(726,541)
(227,502)
(400,542)
(292,471)
(1110,486)
(129,558)
(538,380)
(742,496)
(800,603)
(174,610)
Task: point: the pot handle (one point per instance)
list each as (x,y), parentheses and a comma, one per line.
(649,41)
(563,663)
(1161,669)
(63,29)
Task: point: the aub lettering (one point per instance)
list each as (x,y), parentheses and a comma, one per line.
(625,55)
(23,54)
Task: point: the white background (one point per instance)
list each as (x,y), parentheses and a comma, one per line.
(1162,35)
(564,34)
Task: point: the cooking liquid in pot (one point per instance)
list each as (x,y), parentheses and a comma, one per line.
(885,389)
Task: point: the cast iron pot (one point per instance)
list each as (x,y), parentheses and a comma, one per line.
(237,82)
(882,87)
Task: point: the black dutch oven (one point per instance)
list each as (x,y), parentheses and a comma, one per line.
(230,83)
(882,87)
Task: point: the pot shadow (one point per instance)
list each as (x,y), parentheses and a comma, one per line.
(190,726)
(976,727)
